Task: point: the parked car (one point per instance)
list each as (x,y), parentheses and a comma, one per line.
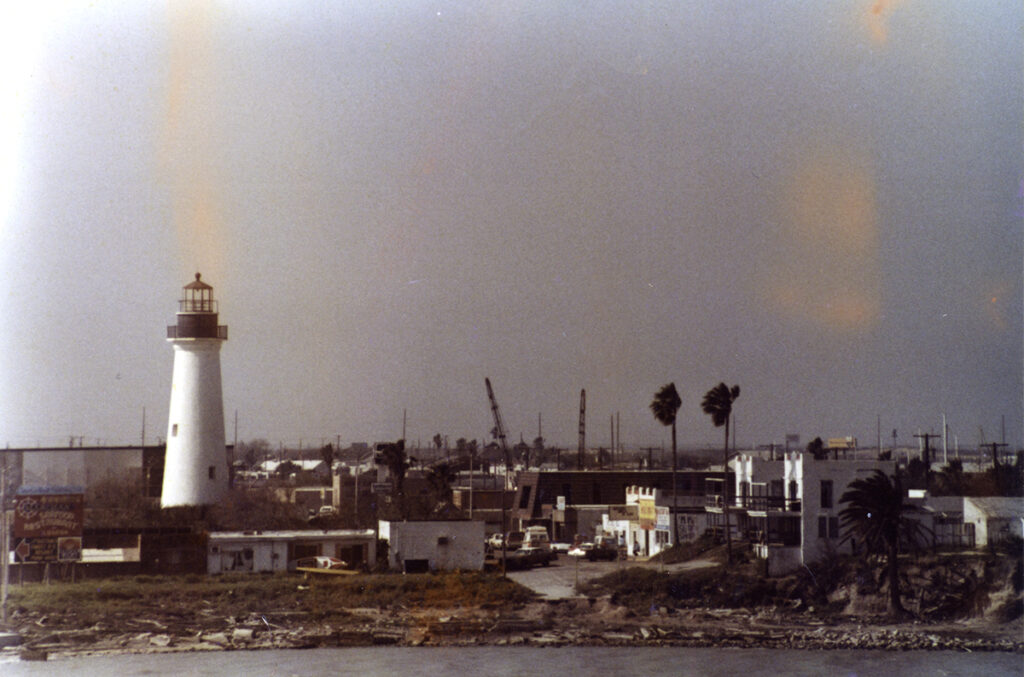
(514,540)
(605,547)
(528,557)
(580,549)
(317,562)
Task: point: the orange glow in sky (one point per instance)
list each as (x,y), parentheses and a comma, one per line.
(878,19)
(828,272)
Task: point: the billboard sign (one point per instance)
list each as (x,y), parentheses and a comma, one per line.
(622,513)
(647,513)
(48,523)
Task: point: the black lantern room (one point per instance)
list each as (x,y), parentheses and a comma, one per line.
(197,314)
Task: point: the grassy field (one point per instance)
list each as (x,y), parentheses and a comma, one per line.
(88,602)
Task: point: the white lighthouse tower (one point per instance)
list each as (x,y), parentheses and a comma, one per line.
(195,466)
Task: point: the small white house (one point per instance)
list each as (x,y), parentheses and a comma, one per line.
(432,545)
(271,551)
(995,518)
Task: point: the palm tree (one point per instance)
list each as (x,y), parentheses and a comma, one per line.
(875,517)
(440,478)
(393,456)
(664,407)
(951,480)
(717,403)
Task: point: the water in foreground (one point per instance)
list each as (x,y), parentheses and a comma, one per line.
(501,661)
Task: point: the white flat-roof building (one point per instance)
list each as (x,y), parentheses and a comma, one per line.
(271,551)
(790,508)
(433,545)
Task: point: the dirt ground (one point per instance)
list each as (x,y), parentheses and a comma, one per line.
(558,617)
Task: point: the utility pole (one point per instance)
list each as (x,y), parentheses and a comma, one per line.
(611,445)
(995,453)
(945,441)
(926,437)
(618,439)
(581,448)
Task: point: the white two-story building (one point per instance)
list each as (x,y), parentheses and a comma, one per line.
(790,508)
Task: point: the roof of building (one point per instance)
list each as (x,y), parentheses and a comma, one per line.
(303,464)
(291,535)
(998,506)
(197,283)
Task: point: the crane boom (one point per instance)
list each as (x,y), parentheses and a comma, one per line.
(499,432)
(499,427)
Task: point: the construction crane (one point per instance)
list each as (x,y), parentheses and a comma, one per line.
(499,432)
(581,450)
(499,427)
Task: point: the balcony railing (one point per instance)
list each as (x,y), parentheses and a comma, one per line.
(761,503)
(197,305)
(175,332)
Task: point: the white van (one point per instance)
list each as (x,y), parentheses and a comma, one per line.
(537,537)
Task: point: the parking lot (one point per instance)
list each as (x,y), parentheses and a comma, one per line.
(560,578)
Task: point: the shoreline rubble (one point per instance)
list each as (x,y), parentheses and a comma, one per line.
(536,624)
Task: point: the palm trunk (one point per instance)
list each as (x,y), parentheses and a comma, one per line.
(725,496)
(893,563)
(675,487)
(895,603)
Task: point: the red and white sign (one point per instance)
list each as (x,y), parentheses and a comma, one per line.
(45,515)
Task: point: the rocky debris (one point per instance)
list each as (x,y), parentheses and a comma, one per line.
(160,640)
(217,638)
(9,639)
(581,622)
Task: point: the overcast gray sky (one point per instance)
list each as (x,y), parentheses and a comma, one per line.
(820,202)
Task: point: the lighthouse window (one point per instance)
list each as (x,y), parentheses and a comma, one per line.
(213,472)
(174,430)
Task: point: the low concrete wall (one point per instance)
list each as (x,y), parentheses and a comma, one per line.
(781,560)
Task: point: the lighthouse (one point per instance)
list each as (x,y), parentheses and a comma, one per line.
(195,465)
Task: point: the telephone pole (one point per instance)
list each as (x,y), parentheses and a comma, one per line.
(995,452)
(927,448)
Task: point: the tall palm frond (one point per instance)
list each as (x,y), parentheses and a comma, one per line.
(717,403)
(665,406)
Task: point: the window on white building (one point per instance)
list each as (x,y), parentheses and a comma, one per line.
(826,493)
